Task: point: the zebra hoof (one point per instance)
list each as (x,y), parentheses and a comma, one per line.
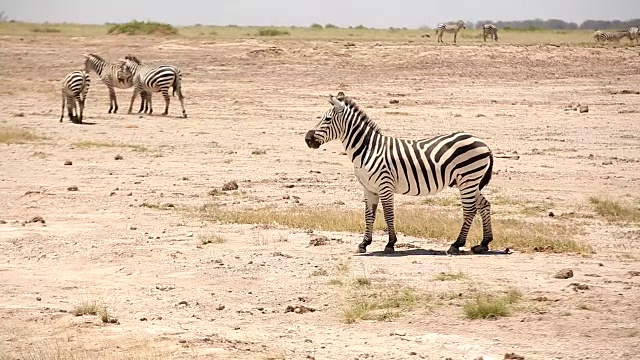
(362,250)
(389,250)
(453,250)
(479,249)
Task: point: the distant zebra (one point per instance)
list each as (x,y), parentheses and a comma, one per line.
(74,88)
(490,30)
(450,28)
(634,33)
(385,165)
(111,75)
(611,36)
(154,79)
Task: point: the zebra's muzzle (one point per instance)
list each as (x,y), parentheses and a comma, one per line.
(311,140)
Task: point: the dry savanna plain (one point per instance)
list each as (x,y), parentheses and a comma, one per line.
(120,240)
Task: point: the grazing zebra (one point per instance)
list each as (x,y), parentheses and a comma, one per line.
(74,88)
(450,28)
(490,29)
(634,33)
(611,36)
(385,165)
(150,79)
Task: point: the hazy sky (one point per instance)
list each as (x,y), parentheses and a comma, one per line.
(371,13)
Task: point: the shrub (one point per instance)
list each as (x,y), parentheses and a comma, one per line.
(316,26)
(330,26)
(272,32)
(143,28)
(44,30)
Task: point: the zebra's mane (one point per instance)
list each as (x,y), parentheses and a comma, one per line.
(133,58)
(349,103)
(96,56)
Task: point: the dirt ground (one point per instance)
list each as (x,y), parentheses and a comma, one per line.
(106,242)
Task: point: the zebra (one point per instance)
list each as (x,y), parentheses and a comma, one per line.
(490,29)
(450,28)
(74,88)
(111,75)
(634,33)
(385,165)
(611,36)
(150,79)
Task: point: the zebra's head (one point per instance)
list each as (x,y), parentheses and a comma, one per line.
(462,24)
(90,62)
(124,71)
(129,66)
(331,125)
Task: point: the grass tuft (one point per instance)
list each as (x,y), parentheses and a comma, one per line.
(17,136)
(413,221)
(319,272)
(212,239)
(486,306)
(93,308)
(381,303)
(362,281)
(97,144)
(142,28)
(615,211)
(44,29)
(450,276)
(272,32)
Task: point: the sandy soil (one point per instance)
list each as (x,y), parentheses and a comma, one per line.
(99,243)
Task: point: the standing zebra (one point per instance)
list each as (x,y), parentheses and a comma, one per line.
(450,28)
(611,36)
(634,33)
(490,30)
(158,79)
(74,88)
(111,75)
(385,165)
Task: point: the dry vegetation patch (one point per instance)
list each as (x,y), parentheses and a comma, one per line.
(490,306)
(9,135)
(88,144)
(93,308)
(615,210)
(380,302)
(512,233)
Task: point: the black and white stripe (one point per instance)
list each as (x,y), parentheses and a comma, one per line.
(74,88)
(611,36)
(490,30)
(111,75)
(385,165)
(154,79)
(450,28)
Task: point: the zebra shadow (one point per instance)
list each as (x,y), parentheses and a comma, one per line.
(431,252)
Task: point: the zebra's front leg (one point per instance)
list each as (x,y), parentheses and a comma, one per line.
(386,198)
(167,99)
(81,103)
(143,101)
(133,99)
(113,104)
(468,213)
(62,115)
(484,207)
(371,206)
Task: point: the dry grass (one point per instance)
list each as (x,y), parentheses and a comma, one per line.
(10,135)
(62,349)
(381,302)
(98,144)
(615,210)
(487,306)
(319,272)
(212,239)
(512,233)
(93,308)
(450,276)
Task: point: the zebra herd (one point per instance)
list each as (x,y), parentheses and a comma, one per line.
(130,72)
(632,33)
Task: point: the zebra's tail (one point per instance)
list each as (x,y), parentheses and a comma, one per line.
(487,175)
(177,85)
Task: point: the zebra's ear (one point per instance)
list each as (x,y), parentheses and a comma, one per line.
(86,56)
(337,105)
(341,96)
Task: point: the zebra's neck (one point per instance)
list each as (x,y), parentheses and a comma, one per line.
(99,65)
(360,133)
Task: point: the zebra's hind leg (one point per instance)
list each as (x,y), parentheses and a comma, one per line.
(167,100)
(113,103)
(63,100)
(469,210)
(71,108)
(484,207)
(386,198)
(371,206)
(181,98)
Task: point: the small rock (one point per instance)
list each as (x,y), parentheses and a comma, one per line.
(182,341)
(231,185)
(413,353)
(299,309)
(319,240)
(394,101)
(3,221)
(183,303)
(398,333)
(143,319)
(72,188)
(513,356)
(37,219)
(578,286)
(551,214)
(133,228)
(38,298)
(286,196)
(634,273)
(564,274)
(190,234)
(118,157)
(68,162)
(112,193)
(338,202)
(583,108)
(220,307)
(289,186)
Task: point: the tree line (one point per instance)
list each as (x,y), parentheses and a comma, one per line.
(557,24)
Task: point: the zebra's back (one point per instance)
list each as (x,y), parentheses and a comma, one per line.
(76,82)
(158,78)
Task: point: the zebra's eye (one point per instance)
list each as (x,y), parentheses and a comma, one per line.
(327,119)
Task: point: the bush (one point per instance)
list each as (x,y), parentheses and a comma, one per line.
(143,28)
(44,30)
(330,26)
(272,32)
(316,26)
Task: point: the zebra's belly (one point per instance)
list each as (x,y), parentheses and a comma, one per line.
(364,177)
